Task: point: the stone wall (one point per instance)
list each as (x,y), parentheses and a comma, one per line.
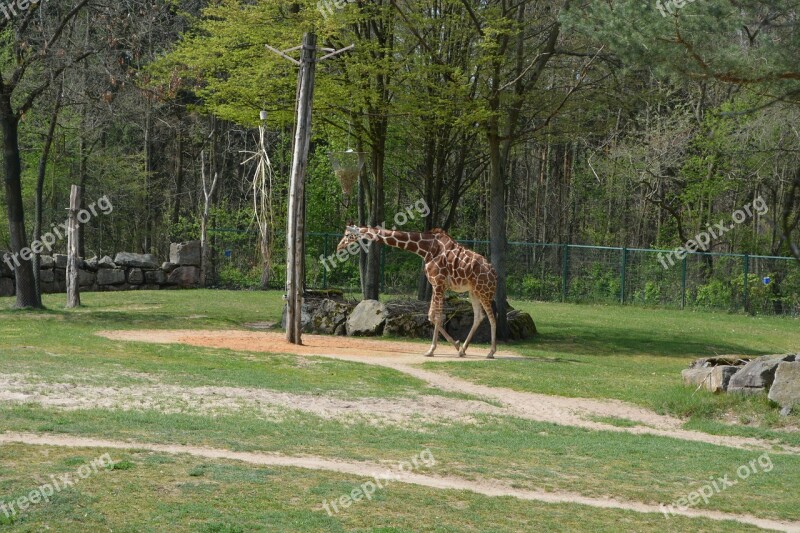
(126,272)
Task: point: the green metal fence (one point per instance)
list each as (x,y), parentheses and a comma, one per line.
(555,272)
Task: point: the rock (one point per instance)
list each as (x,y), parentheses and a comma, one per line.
(185,253)
(86,278)
(185,276)
(46,276)
(106,262)
(720,377)
(785,389)
(413,325)
(46,262)
(168,267)
(155,277)
(7,287)
(147,261)
(367,319)
(112,276)
(521,325)
(695,377)
(729,360)
(60,260)
(322,316)
(90,264)
(786,411)
(135,276)
(758,374)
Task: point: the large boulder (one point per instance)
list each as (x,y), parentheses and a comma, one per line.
(155,277)
(712,378)
(5,270)
(7,287)
(785,389)
(758,374)
(105,262)
(367,319)
(185,276)
(520,325)
(185,253)
(412,324)
(60,260)
(127,259)
(86,278)
(46,276)
(46,262)
(322,315)
(110,276)
(135,276)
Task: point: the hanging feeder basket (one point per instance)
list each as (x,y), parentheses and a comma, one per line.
(347,166)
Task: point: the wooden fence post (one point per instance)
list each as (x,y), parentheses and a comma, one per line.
(73,281)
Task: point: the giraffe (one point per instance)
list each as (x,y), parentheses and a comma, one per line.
(448,266)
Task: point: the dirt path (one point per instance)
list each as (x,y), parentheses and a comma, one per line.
(370,470)
(406,356)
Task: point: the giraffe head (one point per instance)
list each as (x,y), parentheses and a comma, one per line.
(351,234)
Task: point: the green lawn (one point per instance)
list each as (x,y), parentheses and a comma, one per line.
(593,351)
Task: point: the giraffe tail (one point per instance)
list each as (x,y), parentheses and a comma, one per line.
(494,308)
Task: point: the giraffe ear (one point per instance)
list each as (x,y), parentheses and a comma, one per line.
(353,229)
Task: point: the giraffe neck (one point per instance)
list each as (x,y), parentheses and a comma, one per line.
(417,243)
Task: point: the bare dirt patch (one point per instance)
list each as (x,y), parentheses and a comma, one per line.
(486,487)
(412,412)
(406,356)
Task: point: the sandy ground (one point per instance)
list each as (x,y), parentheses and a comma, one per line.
(394,474)
(406,356)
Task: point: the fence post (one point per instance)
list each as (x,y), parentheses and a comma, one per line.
(383,268)
(683,282)
(622,275)
(564,271)
(325,267)
(746,288)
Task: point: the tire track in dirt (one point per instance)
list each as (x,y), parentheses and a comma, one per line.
(368,470)
(406,357)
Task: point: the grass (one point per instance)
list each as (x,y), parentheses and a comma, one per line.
(583,351)
(637,355)
(181,494)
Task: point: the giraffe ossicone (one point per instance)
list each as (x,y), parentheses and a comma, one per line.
(448,266)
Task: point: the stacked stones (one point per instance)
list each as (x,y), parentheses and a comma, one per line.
(778,375)
(327,312)
(127,271)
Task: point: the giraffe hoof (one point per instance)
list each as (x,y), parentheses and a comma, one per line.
(462,353)
(429,354)
(490,356)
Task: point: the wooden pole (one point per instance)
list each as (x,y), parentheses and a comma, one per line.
(295,241)
(73,285)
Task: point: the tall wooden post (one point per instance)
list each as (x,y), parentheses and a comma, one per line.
(295,227)
(73,282)
(295,241)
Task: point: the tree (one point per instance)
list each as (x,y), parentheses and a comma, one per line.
(33,43)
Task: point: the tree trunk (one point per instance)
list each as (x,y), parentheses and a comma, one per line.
(42,172)
(497,230)
(73,282)
(26,286)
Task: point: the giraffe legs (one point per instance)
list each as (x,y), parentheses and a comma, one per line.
(487,306)
(477,313)
(436,315)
